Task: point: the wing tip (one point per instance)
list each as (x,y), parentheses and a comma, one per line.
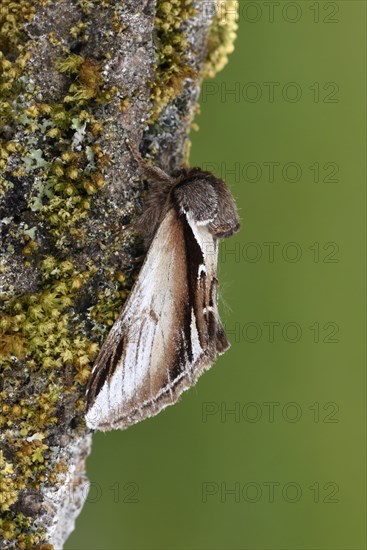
(222,342)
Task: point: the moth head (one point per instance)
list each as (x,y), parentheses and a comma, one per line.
(193,192)
(207,200)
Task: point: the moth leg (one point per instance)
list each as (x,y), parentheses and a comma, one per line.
(152,173)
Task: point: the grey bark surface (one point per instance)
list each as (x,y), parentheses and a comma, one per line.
(129,68)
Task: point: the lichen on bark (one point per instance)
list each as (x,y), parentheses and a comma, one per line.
(77,78)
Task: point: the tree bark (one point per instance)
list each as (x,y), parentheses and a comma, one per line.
(77,78)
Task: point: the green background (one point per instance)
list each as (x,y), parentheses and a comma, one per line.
(166,483)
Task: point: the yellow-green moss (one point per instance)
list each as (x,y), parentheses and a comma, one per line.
(222,34)
(8,491)
(36,325)
(109,303)
(17,528)
(88,82)
(171,45)
(66,181)
(36,330)
(12,16)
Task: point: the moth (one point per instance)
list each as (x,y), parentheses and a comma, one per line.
(168,332)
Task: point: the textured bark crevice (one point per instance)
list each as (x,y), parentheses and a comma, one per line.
(77,78)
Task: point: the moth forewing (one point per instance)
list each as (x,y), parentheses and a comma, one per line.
(169,330)
(144,326)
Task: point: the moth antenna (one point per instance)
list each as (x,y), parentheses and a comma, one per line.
(222,298)
(153,173)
